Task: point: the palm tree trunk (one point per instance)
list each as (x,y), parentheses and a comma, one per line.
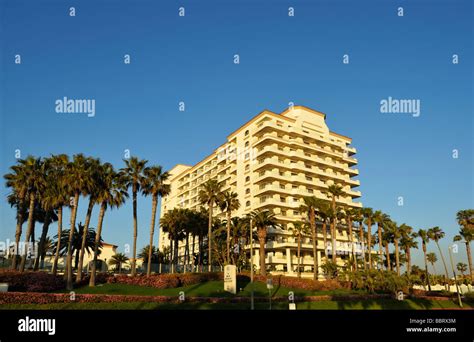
(171,268)
(379,231)
(333,238)
(325,240)
(228,235)
(315,244)
(351,240)
(97,242)
(58,243)
(154,204)
(299,255)
(176,252)
(44,233)
(397,257)
(444,262)
(261,241)
(186,253)
(135,231)
(387,253)
(469,260)
(193,250)
(72,226)
(84,238)
(209,237)
(408,254)
(426,267)
(361,238)
(369,242)
(28,231)
(19,224)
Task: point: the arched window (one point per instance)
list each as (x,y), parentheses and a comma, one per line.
(247,204)
(247,179)
(246,132)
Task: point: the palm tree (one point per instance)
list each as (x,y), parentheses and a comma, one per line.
(300,229)
(387,239)
(117,260)
(359,218)
(311,204)
(407,242)
(351,215)
(334,191)
(437,234)
(34,182)
(133,177)
(76,242)
(92,172)
(380,218)
(465,219)
(423,234)
(323,214)
(263,220)
(209,195)
(461,267)
(432,259)
(17,181)
(369,217)
(77,181)
(228,203)
(155,185)
(111,192)
(396,239)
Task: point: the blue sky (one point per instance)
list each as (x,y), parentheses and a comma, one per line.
(282,59)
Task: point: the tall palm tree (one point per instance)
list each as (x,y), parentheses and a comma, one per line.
(350,215)
(380,218)
(132,174)
(432,259)
(323,214)
(263,220)
(437,234)
(387,239)
(16,180)
(59,196)
(334,191)
(77,181)
(465,219)
(228,203)
(369,218)
(117,260)
(111,192)
(396,240)
(423,235)
(311,204)
(300,229)
(359,218)
(93,173)
(209,195)
(155,185)
(407,242)
(34,182)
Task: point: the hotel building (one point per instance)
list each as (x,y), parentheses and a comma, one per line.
(272,162)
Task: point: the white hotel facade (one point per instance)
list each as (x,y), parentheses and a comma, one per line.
(272,162)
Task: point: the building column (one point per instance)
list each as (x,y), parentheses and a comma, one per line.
(289,269)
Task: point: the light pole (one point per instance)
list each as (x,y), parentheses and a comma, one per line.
(251,264)
(454,272)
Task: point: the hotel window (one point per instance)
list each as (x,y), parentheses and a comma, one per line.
(283,213)
(247,179)
(310,191)
(247,204)
(296,212)
(282,186)
(246,132)
(247,144)
(247,191)
(282,199)
(309,178)
(247,156)
(247,167)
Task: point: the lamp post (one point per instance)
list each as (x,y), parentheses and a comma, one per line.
(454,272)
(251,264)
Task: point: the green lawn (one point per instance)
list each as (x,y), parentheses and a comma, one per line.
(385,304)
(208,289)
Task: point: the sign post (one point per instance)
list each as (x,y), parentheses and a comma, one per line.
(230,279)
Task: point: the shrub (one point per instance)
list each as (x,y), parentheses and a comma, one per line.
(31,281)
(304,284)
(164,281)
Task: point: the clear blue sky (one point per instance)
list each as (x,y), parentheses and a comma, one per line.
(282,59)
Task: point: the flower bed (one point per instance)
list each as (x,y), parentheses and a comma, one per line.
(31,281)
(165,281)
(304,284)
